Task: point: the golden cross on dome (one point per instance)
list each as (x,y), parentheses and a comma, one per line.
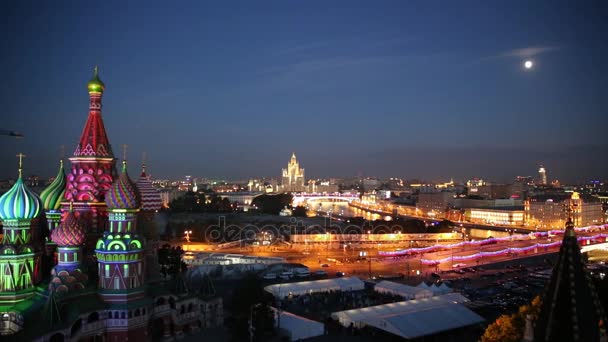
(96,70)
(61,151)
(124,151)
(20,156)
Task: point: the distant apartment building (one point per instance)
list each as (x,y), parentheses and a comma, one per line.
(423,188)
(435,204)
(168,194)
(551,210)
(322,186)
(370,184)
(492,191)
(375,197)
(242,198)
(464,203)
(473,186)
(293,176)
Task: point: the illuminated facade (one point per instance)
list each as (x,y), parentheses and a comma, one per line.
(495,216)
(293,176)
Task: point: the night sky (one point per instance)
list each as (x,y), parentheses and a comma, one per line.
(376,88)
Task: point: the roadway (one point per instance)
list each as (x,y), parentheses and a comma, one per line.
(347,259)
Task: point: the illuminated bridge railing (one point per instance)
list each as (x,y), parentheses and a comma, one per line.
(490,241)
(505,251)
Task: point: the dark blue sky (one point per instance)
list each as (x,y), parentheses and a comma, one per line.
(410,89)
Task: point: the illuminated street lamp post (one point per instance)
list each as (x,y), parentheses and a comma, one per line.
(364,254)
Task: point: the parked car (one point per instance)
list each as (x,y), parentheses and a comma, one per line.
(325,265)
(340,274)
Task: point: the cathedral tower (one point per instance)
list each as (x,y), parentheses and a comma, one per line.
(92,170)
(69,236)
(120,252)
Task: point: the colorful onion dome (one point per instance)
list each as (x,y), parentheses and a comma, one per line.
(70,232)
(150,198)
(52,195)
(19,202)
(123,194)
(95,85)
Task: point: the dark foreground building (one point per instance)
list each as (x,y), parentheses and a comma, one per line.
(571,309)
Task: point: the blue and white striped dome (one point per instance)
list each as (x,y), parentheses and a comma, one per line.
(19,203)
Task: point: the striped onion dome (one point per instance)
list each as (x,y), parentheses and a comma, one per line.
(123,194)
(19,202)
(150,198)
(52,195)
(70,232)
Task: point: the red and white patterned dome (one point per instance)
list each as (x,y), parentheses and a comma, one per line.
(150,197)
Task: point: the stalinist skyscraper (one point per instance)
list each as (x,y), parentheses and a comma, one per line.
(293,176)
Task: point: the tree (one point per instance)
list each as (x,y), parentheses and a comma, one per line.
(272,204)
(250,300)
(511,327)
(502,330)
(299,211)
(170,261)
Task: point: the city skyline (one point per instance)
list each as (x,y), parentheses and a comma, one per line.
(411,94)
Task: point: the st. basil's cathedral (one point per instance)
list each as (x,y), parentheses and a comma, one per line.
(79,261)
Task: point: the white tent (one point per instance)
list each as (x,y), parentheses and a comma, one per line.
(405,291)
(444,289)
(439,290)
(414,318)
(423,285)
(337,284)
(298,327)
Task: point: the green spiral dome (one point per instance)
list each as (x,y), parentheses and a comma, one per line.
(19,203)
(52,195)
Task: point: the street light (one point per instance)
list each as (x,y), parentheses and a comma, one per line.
(187,233)
(363,254)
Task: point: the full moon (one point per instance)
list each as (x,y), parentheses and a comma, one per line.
(528,64)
